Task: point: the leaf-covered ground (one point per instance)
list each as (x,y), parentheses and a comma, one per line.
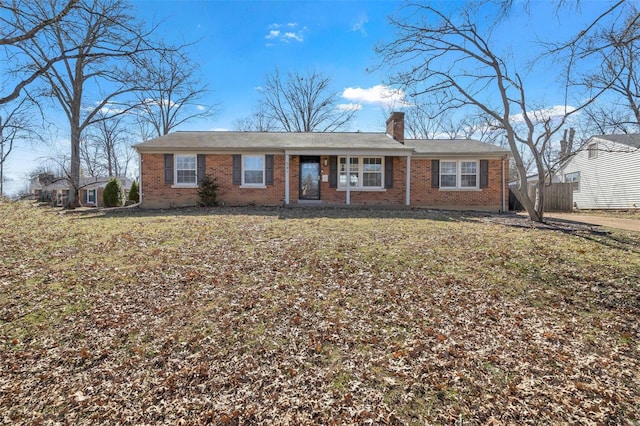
(299,316)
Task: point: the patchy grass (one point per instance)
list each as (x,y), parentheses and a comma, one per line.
(270,316)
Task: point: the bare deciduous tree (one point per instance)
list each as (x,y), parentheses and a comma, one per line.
(303,103)
(452,58)
(16,124)
(172,92)
(617,75)
(20,22)
(422,121)
(105,149)
(100,43)
(259,121)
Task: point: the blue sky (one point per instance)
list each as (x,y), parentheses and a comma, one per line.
(241,41)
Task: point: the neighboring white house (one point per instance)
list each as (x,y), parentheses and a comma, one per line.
(605,173)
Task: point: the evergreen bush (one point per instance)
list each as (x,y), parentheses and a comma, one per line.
(134,192)
(113,195)
(208,191)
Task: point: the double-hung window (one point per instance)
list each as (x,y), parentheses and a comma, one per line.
(468,174)
(91,196)
(372,172)
(448,174)
(458,174)
(186,170)
(592,150)
(363,172)
(253,167)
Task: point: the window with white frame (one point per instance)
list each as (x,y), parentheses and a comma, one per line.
(186,170)
(91,196)
(372,172)
(592,150)
(448,174)
(573,178)
(253,167)
(363,172)
(468,174)
(458,174)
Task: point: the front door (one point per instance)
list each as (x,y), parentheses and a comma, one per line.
(309,178)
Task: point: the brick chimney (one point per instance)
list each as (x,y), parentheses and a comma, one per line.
(395,126)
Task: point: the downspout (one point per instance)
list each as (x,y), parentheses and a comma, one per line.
(408,184)
(139,180)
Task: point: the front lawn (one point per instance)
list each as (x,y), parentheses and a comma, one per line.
(302,316)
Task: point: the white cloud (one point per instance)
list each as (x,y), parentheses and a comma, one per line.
(360,25)
(294,34)
(201,107)
(160,102)
(349,107)
(379,94)
(107,109)
(557,111)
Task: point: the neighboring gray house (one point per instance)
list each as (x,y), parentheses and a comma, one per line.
(46,187)
(605,173)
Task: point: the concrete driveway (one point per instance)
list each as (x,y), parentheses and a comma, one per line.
(606,221)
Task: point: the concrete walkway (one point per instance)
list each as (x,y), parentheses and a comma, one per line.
(608,222)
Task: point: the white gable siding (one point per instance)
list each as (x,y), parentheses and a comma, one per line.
(611,180)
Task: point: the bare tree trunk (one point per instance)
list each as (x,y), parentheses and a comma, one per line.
(74,172)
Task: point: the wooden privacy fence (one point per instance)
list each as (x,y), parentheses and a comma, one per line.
(558,197)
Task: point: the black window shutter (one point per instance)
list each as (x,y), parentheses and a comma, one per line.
(388,172)
(237,176)
(435,173)
(201,167)
(268,169)
(168,169)
(333,171)
(484,173)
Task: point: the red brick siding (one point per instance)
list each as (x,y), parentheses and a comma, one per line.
(423,195)
(157,194)
(99,198)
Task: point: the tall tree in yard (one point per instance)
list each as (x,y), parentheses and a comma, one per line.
(302,103)
(105,147)
(100,43)
(172,92)
(452,59)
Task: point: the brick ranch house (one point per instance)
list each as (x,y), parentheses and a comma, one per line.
(265,168)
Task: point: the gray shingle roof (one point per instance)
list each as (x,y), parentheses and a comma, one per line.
(233,141)
(453,147)
(247,141)
(89,182)
(632,140)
